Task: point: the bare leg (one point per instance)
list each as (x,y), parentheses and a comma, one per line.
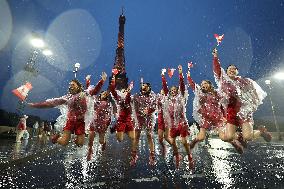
(120,136)
(187,149)
(102,140)
(161,141)
(92,135)
(161,137)
(150,141)
(250,134)
(133,138)
(151,148)
(64,139)
(227,133)
(167,135)
(200,137)
(80,140)
(175,152)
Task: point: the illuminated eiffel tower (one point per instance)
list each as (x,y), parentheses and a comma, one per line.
(119,62)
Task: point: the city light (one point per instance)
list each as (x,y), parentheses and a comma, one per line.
(279,76)
(37,42)
(47,52)
(267,82)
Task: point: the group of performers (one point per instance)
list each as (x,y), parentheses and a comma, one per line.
(228,109)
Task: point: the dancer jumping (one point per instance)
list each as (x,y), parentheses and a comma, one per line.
(124,122)
(144,105)
(241,98)
(77,107)
(175,115)
(163,129)
(101,119)
(207,109)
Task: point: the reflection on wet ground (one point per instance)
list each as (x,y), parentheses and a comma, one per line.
(217,166)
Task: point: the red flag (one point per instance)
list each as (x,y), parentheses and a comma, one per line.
(219,38)
(22,91)
(189,65)
(115,71)
(171,72)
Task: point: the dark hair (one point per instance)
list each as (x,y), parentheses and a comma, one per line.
(232,65)
(209,82)
(78,84)
(148,84)
(108,97)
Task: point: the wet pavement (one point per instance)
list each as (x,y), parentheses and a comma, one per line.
(217,166)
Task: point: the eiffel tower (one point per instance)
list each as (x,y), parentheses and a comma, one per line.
(119,62)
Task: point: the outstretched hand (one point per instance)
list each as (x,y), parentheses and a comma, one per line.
(179,69)
(188,73)
(163,71)
(215,52)
(30,104)
(130,86)
(88,77)
(104,76)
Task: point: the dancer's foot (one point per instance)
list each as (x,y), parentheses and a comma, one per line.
(134,158)
(237,145)
(90,153)
(243,142)
(54,138)
(265,134)
(104,146)
(177,158)
(190,161)
(112,129)
(193,143)
(163,150)
(152,160)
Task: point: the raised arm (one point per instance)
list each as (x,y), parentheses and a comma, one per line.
(112,88)
(181,80)
(128,94)
(164,83)
(128,98)
(190,81)
(50,103)
(99,85)
(88,81)
(216,64)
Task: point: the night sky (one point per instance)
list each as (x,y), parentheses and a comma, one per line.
(158,34)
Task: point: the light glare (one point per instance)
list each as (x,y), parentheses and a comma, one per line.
(37,42)
(47,52)
(279,76)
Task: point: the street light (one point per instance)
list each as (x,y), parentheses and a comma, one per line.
(268,83)
(77,66)
(37,42)
(279,76)
(47,52)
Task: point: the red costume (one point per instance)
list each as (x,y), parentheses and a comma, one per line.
(175,109)
(77,107)
(102,116)
(140,103)
(207,110)
(160,104)
(241,96)
(124,120)
(22,124)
